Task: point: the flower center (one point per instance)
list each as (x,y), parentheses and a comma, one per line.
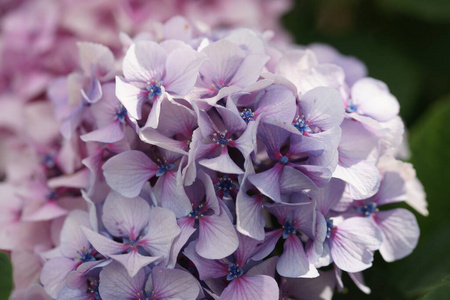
(329,227)
(368,210)
(120,114)
(86,255)
(235,271)
(221,138)
(218,86)
(288,229)
(284,159)
(93,289)
(301,124)
(351,107)
(154,89)
(196,212)
(163,168)
(247,115)
(225,185)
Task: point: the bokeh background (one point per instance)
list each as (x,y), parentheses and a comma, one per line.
(405,43)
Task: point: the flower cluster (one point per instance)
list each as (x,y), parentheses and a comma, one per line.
(206,164)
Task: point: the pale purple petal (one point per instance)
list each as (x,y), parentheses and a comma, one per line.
(125,217)
(374,99)
(102,244)
(115,283)
(162,230)
(294,262)
(131,97)
(222,163)
(127,172)
(207,268)
(109,134)
(392,189)
(54,273)
(182,67)
(400,233)
(323,107)
(251,287)
(133,261)
(268,182)
(72,238)
(352,244)
(174,284)
(217,236)
(144,61)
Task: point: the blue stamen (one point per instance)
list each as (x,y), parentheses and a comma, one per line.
(225,185)
(154,89)
(247,115)
(288,229)
(301,124)
(120,114)
(48,160)
(196,212)
(93,289)
(86,256)
(367,210)
(351,107)
(284,159)
(221,138)
(329,227)
(163,168)
(219,86)
(235,271)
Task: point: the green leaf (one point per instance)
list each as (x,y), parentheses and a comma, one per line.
(428,10)
(439,292)
(430,262)
(6,275)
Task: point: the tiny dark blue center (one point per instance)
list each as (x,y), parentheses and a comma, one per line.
(301,124)
(163,168)
(247,115)
(288,229)
(221,138)
(235,271)
(154,89)
(120,114)
(93,289)
(225,185)
(48,160)
(196,212)
(284,159)
(329,227)
(351,107)
(367,210)
(86,256)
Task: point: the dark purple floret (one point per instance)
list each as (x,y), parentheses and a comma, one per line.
(235,271)
(120,114)
(247,115)
(288,229)
(225,185)
(367,210)
(196,212)
(93,289)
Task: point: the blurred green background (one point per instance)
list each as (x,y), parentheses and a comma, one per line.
(405,43)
